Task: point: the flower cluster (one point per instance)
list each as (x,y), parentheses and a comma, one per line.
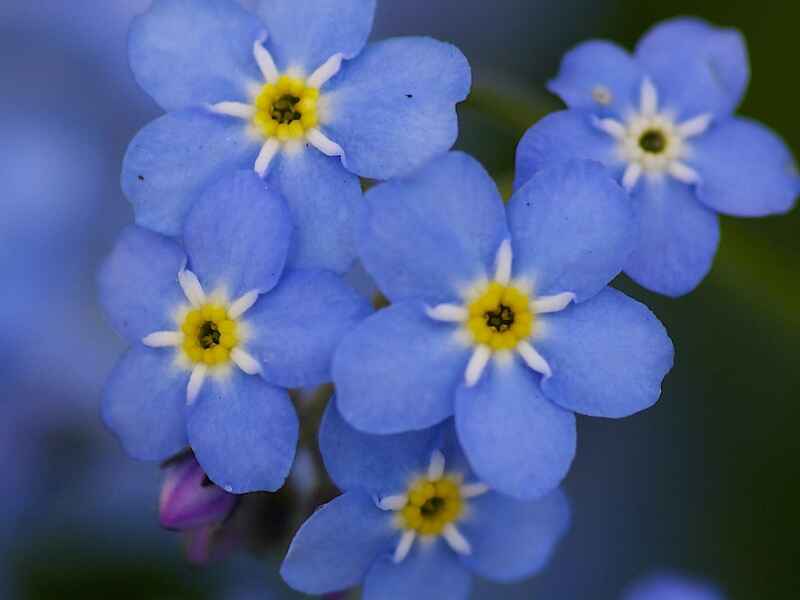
(453,420)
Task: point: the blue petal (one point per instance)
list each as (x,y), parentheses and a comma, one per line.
(513,539)
(518,441)
(237,235)
(138,283)
(393,108)
(678,238)
(336,546)
(563,136)
(572,229)
(398,371)
(746,170)
(173,159)
(381,464)
(326,203)
(305,33)
(672,587)
(430,572)
(244,433)
(431,234)
(296,327)
(697,68)
(598,76)
(145,403)
(193,52)
(608,356)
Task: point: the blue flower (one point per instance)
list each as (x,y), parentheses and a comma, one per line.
(672,587)
(505,322)
(414,521)
(662,121)
(292,92)
(216,340)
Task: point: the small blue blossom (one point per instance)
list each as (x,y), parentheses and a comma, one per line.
(292,91)
(662,121)
(219,330)
(505,321)
(414,521)
(672,587)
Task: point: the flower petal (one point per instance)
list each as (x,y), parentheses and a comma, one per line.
(572,228)
(678,238)
(325,202)
(431,234)
(696,67)
(668,586)
(398,371)
(144,403)
(393,108)
(237,235)
(192,52)
(297,326)
(598,76)
(305,33)
(244,433)
(562,136)
(513,539)
(517,441)
(609,356)
(430,572)
(138,283)
(380,464)
(336,546)
(746,170)
(173,159)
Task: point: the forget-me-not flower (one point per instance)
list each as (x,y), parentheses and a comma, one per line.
(218,332)
(506,322)
(414,521)
(672,587)
(662,121)
(292,91)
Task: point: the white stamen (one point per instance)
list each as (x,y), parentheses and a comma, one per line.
(477,363)
(323,74)
(649,98)
(505,256)
(265,156)
(404,546)
(265,62)
(234,109)
(533,359)
(393,503)
(683,172)
(436,468)
(612,127)
(632,174)
(243,304)
(456,540)
(195,383)
(449,313)
(245,361)
(695,126)
(163,339)
(191,287)
(473,490)
(323,143)
(552,304)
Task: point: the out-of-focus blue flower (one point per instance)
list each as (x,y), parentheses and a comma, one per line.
(200,372)
(662,121)
(414,521)
(506,322)
(287,91)
(672,587)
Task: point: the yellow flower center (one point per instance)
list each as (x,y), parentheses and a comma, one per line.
(286,109)
(432,505)
(501,317)
(209,335)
